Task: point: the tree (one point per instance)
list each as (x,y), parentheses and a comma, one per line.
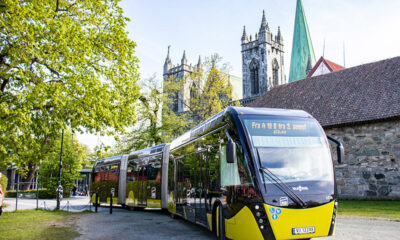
(74,156)
(210,91)
(149,130)
(64,64)
(213,93)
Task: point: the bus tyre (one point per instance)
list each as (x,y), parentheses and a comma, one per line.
(221,223)
(173,216)
(1,210)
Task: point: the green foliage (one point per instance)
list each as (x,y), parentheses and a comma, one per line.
(63,65)
(211,92)
(3,182)
(43,193)
(99,152)
(73,157)
(370,209)
(149,130)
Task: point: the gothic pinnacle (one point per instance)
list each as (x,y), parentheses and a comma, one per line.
(279,35)
(199,62)
(168,59)
(244,36)
(264,24)
(184,60)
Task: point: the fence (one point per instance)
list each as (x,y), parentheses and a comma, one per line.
(78,204)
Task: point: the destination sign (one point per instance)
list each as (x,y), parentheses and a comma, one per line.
(278,127)
(284,132)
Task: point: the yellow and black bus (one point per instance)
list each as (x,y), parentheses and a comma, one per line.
(245,173)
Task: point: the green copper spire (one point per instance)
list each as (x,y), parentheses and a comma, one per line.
(302,49)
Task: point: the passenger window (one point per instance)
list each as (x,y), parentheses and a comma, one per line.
(229,171)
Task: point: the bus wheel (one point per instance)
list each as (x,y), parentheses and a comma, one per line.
(221,223)
(173,216)
(1,210)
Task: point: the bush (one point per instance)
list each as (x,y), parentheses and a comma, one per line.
(43,193)
(3,182)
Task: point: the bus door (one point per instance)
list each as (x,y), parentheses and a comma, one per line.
(180,187)
(201,188)
(154,182)
(142,198)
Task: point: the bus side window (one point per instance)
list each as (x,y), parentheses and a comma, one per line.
(213,168)
(229,171)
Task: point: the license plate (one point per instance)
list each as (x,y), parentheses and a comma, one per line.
(303,230)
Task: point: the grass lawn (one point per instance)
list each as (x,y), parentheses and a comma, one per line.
(371,209)
(37,224)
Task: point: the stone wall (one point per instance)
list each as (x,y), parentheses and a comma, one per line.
(370,169)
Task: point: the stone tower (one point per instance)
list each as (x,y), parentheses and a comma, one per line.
(262,61)
(176,73)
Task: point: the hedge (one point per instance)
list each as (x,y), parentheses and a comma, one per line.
(43,193)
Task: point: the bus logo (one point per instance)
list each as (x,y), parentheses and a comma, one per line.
(284,201)
(275,212)
(300,188)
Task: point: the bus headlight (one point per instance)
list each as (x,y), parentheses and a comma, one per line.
(257,207)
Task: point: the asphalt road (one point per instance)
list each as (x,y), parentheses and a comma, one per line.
(138,225)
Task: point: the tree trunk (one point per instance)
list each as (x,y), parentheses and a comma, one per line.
(30,177)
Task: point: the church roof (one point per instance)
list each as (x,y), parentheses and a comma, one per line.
(363,93)
(302,48)
(330,65)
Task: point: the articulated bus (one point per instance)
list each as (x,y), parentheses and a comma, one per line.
(245,173)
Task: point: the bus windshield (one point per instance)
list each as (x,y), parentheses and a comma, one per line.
(293,149)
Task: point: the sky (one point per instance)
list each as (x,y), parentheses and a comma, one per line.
(368,31)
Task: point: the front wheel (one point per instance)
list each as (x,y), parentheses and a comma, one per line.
(221,224)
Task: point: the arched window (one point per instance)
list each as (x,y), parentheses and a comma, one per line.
(275,72)
(254,81)
(193,91)
(176,102)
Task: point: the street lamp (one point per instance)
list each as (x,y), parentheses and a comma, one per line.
(59,188)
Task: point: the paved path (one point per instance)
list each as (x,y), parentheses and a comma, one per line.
(72,204)
(365,229)
(137,225)
(140,225)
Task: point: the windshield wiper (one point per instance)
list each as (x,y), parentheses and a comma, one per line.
(282,186)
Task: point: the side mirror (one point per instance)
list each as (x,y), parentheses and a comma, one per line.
(339,149)
(230,151)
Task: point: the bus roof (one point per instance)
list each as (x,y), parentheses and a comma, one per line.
(148,151)
(108,160)
(218,119)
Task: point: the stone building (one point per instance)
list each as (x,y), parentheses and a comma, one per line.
(262,61)
(176,73)
(361,107)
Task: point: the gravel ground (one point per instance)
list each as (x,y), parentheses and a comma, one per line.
(140,225)
(365,229)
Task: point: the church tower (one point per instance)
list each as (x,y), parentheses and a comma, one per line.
(176,73)
(262,61)
(302,50)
